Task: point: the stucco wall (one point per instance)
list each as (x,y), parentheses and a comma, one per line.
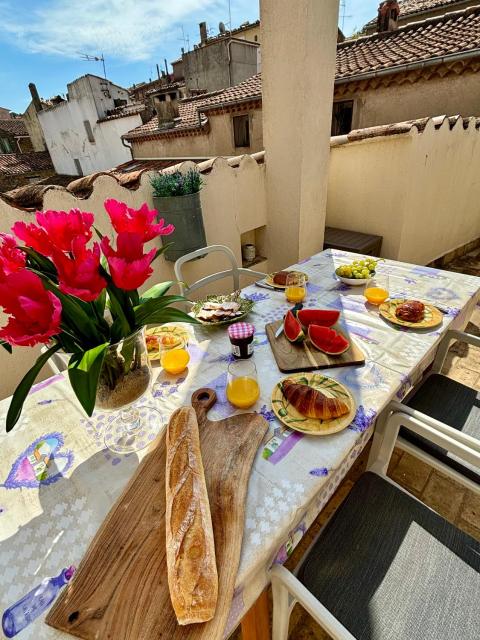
(420,191)
(233,202)
(449,95)
(65,134)
(34,129)
(218,141)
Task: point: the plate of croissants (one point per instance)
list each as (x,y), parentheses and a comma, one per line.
(279,279)
(313,403)
(411,313)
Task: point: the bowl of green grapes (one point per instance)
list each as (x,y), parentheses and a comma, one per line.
(357,272)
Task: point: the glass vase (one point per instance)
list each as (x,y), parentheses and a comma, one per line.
(125,377)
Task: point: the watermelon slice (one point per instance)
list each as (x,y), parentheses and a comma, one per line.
(292,328)
(327,340)
(321,317)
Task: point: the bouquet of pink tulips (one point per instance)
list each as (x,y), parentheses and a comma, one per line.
(59,290)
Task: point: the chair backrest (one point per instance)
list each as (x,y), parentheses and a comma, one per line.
(234,271)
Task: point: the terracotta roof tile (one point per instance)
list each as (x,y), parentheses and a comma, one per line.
(410,7)
(452,33)
(123,112)
(14,126)
(15,164)
(191,110)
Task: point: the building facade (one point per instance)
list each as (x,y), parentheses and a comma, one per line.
(84,133)
(14,136)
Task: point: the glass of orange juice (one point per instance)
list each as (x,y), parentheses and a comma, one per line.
(174,358)
(242,384)
(377,289)
(296,287)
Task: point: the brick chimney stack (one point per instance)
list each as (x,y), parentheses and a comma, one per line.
(388,13)
(37,103)
(203,32)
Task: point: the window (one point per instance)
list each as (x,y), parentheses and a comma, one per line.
(241,131)
(5,145)
(88,129)
(173,96)
(342,117)
(119,102)
(78,166)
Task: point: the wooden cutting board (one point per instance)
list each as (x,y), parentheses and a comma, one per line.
(120,591)
(304,357)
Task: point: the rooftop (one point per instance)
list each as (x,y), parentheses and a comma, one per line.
(123,112)
(191,110)
(412,7)
(453,34)
(15,164)
(13,126)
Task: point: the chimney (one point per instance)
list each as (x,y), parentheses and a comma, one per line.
(37,103)
(203,32)
(388,13)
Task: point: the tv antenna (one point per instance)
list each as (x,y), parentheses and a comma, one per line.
(229,15)
(89,58)
(343,11)
(185,39)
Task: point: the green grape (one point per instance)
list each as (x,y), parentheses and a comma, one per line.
(365,273)
(362,263)
(358,275)
(348,272)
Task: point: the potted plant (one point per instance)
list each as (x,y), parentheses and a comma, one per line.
(177,196)
(59,290)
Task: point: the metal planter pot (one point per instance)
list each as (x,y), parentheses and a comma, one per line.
(185,213)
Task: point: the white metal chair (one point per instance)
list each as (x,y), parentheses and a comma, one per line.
(385,565)
(449,406)
(235,271)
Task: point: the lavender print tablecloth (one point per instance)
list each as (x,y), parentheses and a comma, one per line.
(58,482)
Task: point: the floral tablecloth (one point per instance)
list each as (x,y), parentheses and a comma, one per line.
(50,512)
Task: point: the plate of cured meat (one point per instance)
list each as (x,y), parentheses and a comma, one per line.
(411,313)
(218,310)
(313,403)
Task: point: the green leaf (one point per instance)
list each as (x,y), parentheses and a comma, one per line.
(21,392)
(6,346)
(83,372)
(40,262)
(145,310)
(118,312)
(168,314)
(156,291)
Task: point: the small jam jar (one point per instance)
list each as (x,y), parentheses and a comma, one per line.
(241,339)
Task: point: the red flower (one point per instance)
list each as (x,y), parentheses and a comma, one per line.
(129,266)
(11,258)
(56,230)
(35,312)
(127,220)
(79,275)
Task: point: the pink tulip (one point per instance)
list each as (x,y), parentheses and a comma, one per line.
(79,275)
(55,230)
(35,313)
(11,258)
(129,266)
(127,220)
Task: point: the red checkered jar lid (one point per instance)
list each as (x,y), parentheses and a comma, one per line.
(241,330)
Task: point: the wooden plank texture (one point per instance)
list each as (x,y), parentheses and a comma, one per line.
(120,591)
(304,357)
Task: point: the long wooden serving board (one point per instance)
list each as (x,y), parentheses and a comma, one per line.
(304,357)
(120,591)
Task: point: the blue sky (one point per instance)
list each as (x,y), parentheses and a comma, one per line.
(41,40)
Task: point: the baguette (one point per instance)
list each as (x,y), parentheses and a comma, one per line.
(191,566)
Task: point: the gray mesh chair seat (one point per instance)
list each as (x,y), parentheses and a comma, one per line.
(454,404)
(389,568)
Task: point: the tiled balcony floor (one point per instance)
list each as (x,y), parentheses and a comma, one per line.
(450,499)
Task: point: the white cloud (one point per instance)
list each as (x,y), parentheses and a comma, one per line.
(130,30)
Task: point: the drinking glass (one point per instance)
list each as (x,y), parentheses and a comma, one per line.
(174,360)
(377,289)
(242,384)
(296,287)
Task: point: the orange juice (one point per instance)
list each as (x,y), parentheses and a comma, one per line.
(175,361)
(376,295)
(243,392)
(295,294)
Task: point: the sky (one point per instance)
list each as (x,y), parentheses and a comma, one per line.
(41,41)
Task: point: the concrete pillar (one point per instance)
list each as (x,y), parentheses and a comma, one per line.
(298,69)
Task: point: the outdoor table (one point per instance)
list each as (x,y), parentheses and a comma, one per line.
(49,516)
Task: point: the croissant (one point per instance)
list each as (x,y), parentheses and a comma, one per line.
(312,403)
